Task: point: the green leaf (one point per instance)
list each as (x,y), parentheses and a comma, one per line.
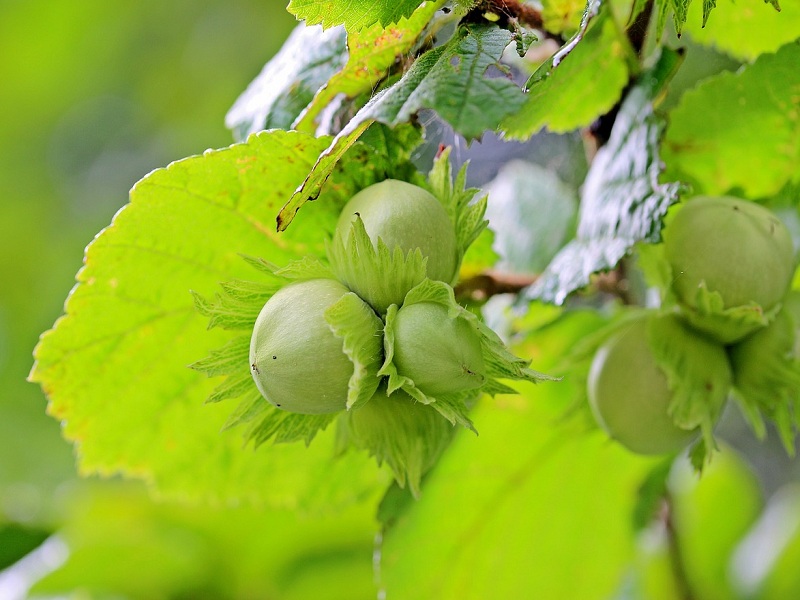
(506,514)
(745,29)
(467,215)
(114,367)
(532,213)
(710,140)
(725,324)
(576,85)
(766,369)
(698,374)
(371,54)
(381,276)
(288,82)
(679,9)
(361,330)
(450,79)
(622,201)
(395,429)
(353,14)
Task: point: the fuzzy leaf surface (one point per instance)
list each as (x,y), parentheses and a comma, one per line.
(622,200)
(115,366)
(716,150)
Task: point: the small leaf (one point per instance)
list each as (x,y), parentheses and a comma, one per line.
(284,427)
(467,216)
(288,82)
(725,324)
(767,375)
(622,201)
(225,360)
(406,435)
(698,374)
(499,363)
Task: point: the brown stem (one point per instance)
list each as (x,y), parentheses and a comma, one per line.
(484,285)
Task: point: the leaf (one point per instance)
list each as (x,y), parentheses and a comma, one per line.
(467,216)
(576,85)
(288,82)
(408,436)
(679,8)
(380,275)
(715,148)
(114,367)
(622,201)
(745,29)
(698,374)
(371,53)
(450,79)
(360,329)
(528,490)
(532,213)
(353,14)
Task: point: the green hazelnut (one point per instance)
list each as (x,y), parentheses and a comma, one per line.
(406,216)
(439,353)
(297,362)
(630,393)
(734,247)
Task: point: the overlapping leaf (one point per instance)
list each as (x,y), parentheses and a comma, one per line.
(288,82)
(450,79)
(622,199)
(114,367)
(370,55)
(578,84)
(718,151)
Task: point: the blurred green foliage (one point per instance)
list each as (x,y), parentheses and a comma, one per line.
(93,95)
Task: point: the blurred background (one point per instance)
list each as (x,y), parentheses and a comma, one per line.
(93,96)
